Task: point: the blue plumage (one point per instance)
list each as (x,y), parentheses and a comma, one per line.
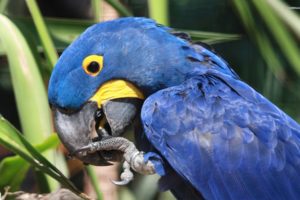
(211,134)
(223,137)
(131,47)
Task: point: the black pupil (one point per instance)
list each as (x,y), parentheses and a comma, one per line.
(93,67)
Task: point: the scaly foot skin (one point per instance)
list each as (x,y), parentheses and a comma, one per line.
(134,159)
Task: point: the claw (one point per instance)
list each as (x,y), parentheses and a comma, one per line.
(133,158)
(120,183)
(91,148)
(82,151)
(126,175)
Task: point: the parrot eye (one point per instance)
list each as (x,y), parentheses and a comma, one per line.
(93,67)
(92,64)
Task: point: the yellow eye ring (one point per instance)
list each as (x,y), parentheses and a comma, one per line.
(93,64)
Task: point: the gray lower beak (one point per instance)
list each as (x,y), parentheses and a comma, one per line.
(78,129)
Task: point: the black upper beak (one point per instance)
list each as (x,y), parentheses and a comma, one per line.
(79,129)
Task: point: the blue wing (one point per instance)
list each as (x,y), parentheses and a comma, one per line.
(224,138)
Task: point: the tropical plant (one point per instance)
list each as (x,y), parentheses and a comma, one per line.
(260,39)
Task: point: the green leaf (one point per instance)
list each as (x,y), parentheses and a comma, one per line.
(279,31)
(3,4)
(158,10)
(26,151)
(65,31)
(42,32)
(211,37)
(122,10)
(10,138)
(94,181)
(260,38)
(29,89)
(13,169)
(289,17)
(96,8)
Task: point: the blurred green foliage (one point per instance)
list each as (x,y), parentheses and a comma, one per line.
(259,39)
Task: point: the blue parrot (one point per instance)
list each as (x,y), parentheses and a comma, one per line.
(207,133)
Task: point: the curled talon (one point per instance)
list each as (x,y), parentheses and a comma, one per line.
(126,175)
(120,183)
(134,159)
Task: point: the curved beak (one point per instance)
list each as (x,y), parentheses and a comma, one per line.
(77,129)
(98,119)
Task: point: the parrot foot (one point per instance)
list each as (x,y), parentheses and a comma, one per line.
(134,158)
(126,175)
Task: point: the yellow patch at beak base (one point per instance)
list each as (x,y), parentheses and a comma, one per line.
(116,89)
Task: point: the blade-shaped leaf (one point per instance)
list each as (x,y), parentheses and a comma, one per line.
(122,10)
(158,10)
(3,4)
(29,89)
(28,86)
(260,38)
(281,34)
(96,8)
(43,33)
(211,37)
(25,150)
(94,181)
(13,169)
(286,14)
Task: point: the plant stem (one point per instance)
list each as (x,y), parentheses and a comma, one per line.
(158,10)
(96,8)
(42,31)
(94,180)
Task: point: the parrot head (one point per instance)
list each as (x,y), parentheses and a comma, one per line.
(99,83)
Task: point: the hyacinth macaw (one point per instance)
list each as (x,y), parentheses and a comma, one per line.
(207,133)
